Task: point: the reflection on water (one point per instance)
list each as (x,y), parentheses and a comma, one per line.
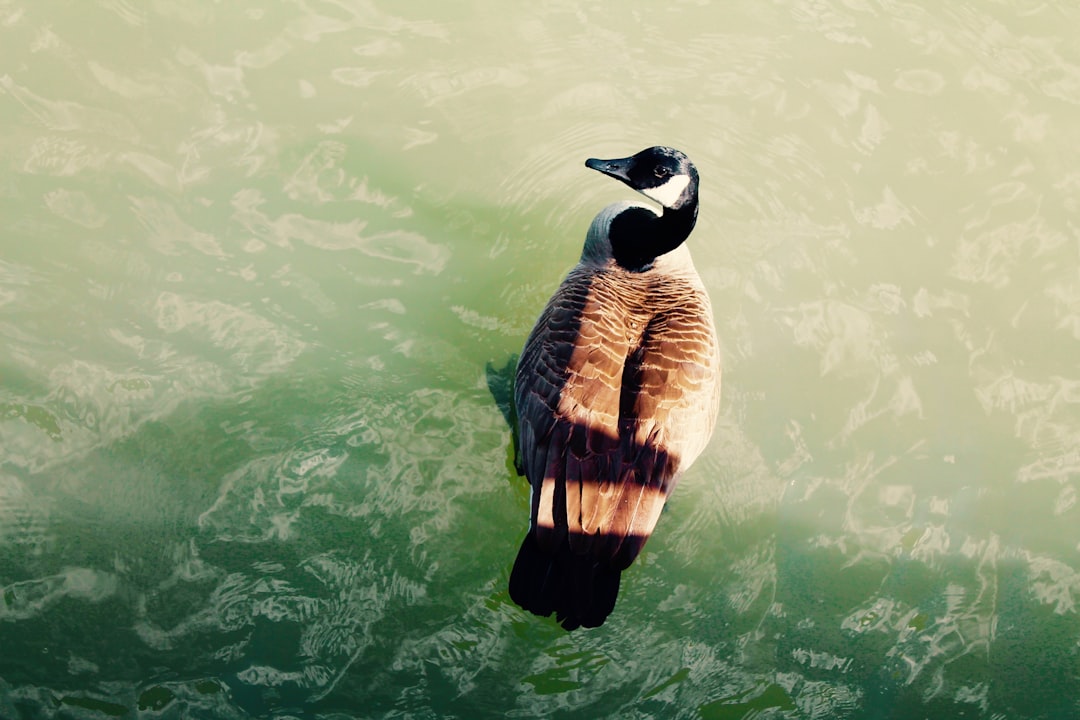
(256,260)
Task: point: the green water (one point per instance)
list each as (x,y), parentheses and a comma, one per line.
(256,259)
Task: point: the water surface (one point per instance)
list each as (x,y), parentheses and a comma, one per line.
(255,263)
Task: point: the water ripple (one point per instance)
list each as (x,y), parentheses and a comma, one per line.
(258,256)
(396,245)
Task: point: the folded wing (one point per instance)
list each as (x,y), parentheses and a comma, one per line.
(616,392)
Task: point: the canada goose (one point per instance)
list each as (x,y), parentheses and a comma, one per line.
(616,393)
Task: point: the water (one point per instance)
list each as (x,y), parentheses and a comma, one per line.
(256,260)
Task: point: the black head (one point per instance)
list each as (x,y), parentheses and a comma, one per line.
(664,174)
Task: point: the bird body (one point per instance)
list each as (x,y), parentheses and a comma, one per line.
(616,393)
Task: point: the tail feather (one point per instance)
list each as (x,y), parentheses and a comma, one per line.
(580,590)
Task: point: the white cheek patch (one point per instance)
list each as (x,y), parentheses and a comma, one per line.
(670,191)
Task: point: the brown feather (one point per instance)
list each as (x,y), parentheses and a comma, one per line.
(617,395)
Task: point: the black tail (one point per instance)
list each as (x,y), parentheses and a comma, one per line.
(578,589)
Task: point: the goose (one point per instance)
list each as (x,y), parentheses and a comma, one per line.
(616,393)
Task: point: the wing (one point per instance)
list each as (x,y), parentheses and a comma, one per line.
(567,391)
(669,401)
(613,401)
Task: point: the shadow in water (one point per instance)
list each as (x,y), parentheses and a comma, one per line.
(500,382)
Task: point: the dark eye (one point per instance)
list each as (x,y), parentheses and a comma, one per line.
(662,171)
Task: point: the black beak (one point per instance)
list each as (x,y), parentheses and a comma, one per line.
(618,169)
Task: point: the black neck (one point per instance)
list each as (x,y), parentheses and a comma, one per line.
(638,236)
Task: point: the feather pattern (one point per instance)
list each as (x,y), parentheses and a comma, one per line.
(625,402)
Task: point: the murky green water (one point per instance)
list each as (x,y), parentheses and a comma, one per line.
(255,260)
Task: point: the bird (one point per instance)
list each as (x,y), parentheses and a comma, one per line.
(616,393)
